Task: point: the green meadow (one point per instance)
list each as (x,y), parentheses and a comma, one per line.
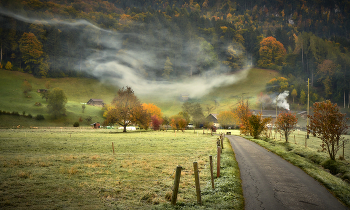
(61,168)
(80,90)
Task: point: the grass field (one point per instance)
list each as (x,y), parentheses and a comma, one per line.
(76,169)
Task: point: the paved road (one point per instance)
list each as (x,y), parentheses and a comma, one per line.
(270,183)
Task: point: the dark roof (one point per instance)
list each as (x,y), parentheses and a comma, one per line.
(214,117)
(93,99)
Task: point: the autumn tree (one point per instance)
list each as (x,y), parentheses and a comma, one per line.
(156,122)
(141,117)
(32,54)
(328,124)
(286,124)
(278,84)
(226,118)
(257,125)
(271,52)
(178,122)
(57,103)
(125,109)
(243,113)
(152,110)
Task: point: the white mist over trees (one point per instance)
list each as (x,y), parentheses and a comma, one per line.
(135,53)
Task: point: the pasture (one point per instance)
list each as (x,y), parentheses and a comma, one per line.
(74,168)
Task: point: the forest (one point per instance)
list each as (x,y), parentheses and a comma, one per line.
(170,40)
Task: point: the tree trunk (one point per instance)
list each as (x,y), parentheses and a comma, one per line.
(124,130)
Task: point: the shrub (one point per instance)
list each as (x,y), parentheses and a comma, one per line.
(76,124)
(8,65)
(332,165)
(40,117)
(29,116)
(15,113)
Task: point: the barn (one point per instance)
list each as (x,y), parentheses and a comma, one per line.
(95,102)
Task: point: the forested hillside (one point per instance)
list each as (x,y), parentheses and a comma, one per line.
(140,42)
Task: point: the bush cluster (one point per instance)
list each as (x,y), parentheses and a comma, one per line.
(40,117)
(76,124)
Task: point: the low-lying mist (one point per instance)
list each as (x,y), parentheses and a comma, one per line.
(125,58)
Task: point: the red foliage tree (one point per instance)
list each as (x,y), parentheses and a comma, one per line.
(286,123)
(328,124)
(156,122)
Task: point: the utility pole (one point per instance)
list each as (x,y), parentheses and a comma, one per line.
(308,107)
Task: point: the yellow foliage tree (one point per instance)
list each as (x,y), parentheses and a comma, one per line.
(271,52)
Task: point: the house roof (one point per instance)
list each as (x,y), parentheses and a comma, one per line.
(270,113)
(93,99)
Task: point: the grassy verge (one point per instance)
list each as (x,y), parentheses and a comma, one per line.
(311,160)
(76,169)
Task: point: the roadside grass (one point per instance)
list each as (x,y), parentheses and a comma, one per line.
(311,160)
(75,168)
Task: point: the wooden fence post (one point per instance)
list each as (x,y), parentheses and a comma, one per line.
(222,143)
(218,164)
(196,179)
(113,147)
(211,170)
(343,150)
(176,185)
(305,142)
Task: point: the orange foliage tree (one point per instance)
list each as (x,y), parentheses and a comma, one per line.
(178,122)
(328,124)
(271,52)
(242,114)
(286,123)
(152,110)
(226,118)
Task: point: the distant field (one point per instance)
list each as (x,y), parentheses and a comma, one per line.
(76,169)
(80,90)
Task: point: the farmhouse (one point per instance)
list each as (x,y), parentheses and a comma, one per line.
(214,119)
(95,102)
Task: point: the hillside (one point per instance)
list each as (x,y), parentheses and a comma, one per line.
(134,42)
(77,90)
(80,90)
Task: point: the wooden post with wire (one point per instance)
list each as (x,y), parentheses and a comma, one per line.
(113,147)
(196,179)
(222,141)
(218,163)
(211,170)
(176,185)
